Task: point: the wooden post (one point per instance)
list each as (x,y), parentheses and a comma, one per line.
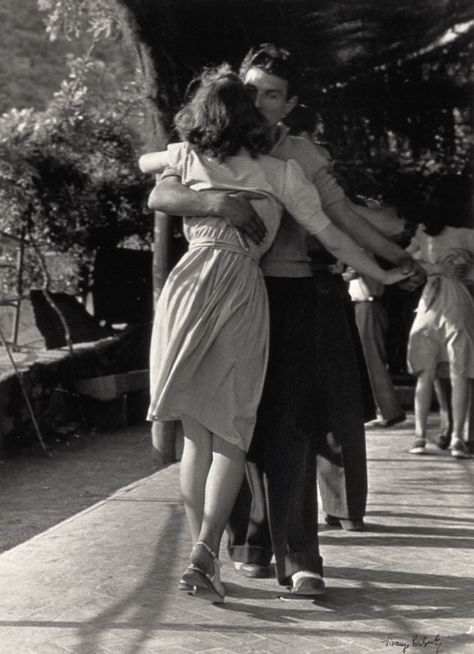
(155,70)
(163,434)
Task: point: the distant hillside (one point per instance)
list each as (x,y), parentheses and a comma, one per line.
(32,67)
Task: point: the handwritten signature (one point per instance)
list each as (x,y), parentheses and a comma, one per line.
(415,641)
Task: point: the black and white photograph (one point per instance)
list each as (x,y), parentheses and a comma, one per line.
(236,326)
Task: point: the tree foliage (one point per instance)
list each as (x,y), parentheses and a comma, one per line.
(70,17)
(396,131)
(68,175)
(32,66)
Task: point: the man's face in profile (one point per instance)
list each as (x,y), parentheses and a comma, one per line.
(270,95)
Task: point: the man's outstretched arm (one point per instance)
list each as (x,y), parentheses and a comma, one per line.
(364,234)
(343,213)
(173,198)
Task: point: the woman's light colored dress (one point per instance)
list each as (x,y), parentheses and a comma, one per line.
(209,344)
(443,331)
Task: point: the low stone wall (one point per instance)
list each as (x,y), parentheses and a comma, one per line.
(50,379)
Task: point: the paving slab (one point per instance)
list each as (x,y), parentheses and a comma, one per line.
(105,580)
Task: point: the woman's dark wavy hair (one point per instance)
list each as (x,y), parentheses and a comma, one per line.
(450,204)
(220,118)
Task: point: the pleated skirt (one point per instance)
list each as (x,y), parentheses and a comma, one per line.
(209,347)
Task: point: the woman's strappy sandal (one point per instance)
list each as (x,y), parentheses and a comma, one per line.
(208,585)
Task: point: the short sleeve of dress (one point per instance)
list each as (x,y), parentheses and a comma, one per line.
(177,157)
(302,200)
(177,153)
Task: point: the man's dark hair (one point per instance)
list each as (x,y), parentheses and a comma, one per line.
(220,117)
(274,61)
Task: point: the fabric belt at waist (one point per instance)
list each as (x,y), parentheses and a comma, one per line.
(219,244)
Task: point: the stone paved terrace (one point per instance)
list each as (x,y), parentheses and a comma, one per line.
(104,581)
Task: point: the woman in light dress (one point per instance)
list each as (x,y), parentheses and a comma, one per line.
(209,345)
(443,331)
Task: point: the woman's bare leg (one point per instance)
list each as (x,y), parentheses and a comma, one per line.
(442,388)
(223,484)
(460,403)
(211,475)
(195,465)
(423,393)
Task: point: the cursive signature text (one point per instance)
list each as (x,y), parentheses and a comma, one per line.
(430,644)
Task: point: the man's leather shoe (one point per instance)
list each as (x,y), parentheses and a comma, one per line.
(308,584)
(387,423)
(348,524)
(352,525)
(253,570)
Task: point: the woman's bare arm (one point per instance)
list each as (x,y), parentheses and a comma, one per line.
(345,249)
(154,162)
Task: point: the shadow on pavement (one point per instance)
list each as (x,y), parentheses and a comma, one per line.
(452,540)
(141,609)
(422,516)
